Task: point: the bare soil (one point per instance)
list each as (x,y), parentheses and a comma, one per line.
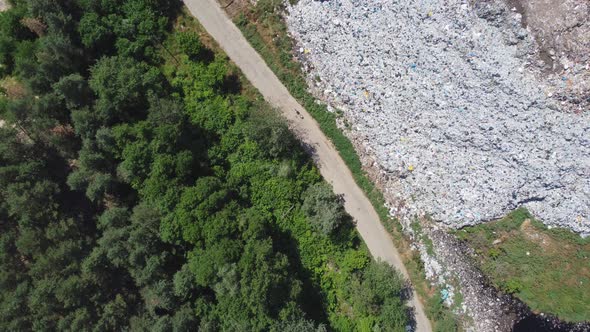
(561,29)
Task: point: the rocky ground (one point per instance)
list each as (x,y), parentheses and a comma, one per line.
(462,110)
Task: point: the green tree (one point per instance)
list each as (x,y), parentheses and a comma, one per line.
(122,86)
(378,293)
(73,90)
(190,43)
(298,325)
(135,195)
(323,208)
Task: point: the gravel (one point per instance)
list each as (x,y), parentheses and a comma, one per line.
(447,98)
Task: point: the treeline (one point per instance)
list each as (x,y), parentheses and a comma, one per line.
(141,189)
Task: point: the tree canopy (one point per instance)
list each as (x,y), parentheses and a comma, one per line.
(143,187)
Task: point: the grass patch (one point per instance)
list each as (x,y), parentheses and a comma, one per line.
(264,28)
(442,317)
(549,269)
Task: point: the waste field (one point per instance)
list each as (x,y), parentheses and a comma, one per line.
(447,97)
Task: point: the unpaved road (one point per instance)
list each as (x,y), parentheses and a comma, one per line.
(3,5)
(331,166)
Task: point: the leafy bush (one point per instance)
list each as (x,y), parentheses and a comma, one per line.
(323,208)
(494,253)
(190,43)
(512,286)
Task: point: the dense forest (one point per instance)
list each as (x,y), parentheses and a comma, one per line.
(143,186)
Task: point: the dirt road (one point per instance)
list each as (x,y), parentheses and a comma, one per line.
(3,5)
(331,166)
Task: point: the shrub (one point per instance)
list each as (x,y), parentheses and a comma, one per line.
(512,286)
(190,43)
(323,208)
(494,253)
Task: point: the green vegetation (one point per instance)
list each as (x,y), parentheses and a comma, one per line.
(269,37)
(549,269)
(264,28)
(436,310)
(145,187)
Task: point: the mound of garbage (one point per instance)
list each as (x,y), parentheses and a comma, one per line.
(447,97)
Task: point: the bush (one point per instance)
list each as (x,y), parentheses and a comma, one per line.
(494,253)
(323,208)
(378,295)
(512,286)
(190,43)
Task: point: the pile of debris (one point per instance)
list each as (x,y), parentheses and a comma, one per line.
(450,100)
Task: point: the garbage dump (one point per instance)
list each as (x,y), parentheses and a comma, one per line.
(449,98)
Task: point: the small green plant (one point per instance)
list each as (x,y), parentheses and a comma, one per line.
(444,320)
(428,244)
(416,228)
(494,253)
(512,286)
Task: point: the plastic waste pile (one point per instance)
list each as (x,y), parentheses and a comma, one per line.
(442,96)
